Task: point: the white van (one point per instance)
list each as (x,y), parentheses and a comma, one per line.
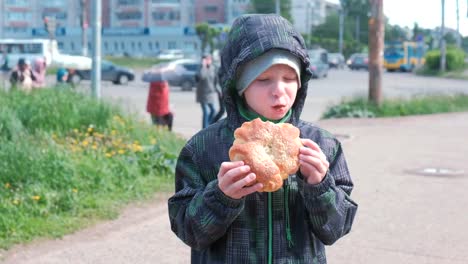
(30,49)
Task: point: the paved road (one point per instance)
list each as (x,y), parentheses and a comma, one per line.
(323,92)
(404,217)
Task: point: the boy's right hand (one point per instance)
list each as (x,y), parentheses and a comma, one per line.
(235,178)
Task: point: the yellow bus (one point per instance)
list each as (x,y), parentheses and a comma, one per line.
(404,56)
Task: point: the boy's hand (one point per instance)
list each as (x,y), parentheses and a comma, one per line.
(314,164)
(234,179)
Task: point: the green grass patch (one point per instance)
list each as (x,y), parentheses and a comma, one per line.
(68,160)
(418,105)
(455,74)
(135,63)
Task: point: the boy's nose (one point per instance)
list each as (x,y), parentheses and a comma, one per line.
(279,88)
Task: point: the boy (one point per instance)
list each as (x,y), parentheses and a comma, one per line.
(216,210)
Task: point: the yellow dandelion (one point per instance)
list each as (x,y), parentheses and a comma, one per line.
(121,151)
(137,148)
(74,190)
(108,154)
(90,129)
(15,202)
(7,185)
(85,143)
(36,197)
(75,130)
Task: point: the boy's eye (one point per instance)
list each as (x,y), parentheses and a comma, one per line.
(262,79)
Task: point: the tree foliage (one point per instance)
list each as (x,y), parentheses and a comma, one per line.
(269,6)
(207,35)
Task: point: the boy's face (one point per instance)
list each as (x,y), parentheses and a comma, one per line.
(273,92)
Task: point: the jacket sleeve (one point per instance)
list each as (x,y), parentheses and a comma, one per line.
(199,211)
(329,207)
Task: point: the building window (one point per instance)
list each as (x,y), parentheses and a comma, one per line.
(129,15)
(128,2)
(211,9)
(17,3)
(116,46)
(165,1)
(139,46)
(18,16)
(53,3)
(172,45)
(105,45)
(173,15)
(133,45)
(72,46)
(122,45)
(150,45)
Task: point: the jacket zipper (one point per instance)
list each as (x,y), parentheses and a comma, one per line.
(270,230)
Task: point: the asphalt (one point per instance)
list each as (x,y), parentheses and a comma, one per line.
(411,179)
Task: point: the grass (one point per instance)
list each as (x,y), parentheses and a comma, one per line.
(420,105)
(135,63)
(457,74)
(67,160)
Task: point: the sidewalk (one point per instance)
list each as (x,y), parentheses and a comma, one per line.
(402,217)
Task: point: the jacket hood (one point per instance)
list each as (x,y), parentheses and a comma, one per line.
(251,36)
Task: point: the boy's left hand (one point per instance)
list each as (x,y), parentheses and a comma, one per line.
(314,164)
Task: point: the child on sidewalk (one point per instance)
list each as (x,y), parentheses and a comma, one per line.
(217,208)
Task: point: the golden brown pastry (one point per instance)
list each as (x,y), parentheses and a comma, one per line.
(271,150)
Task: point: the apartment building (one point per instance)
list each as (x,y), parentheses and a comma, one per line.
(135,27)
(307,14)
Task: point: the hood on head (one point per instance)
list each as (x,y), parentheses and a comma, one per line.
(251,36)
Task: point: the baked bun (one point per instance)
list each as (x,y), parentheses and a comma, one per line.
(271,150)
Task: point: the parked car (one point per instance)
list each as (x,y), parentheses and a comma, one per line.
(336,60)
(358,61)
(109,72)
(180,72)
(171,54)
(318,63)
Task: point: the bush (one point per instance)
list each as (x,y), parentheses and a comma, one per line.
(455,59)
(418,105)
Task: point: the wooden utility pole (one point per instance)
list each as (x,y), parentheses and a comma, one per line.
(376,43)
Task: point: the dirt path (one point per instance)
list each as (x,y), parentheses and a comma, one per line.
(141,234)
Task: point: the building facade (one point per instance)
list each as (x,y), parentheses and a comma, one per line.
(307,14)
(135,27)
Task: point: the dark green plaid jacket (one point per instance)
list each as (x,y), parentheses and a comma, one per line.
(291,225)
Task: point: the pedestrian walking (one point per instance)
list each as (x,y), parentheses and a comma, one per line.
(22,77)
(39,70)
(206,90)
(217,208)
(158,104)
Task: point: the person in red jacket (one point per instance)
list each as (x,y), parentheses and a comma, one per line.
(158,104)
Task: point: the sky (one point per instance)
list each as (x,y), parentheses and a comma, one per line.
(427,13)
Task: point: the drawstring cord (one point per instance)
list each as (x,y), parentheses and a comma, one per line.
(286,206)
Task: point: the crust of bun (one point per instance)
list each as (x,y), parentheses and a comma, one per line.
(271,150)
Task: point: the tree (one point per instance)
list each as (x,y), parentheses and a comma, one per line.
(268,7)
(359,11)
(207,35)
(330,28)
(394,33)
